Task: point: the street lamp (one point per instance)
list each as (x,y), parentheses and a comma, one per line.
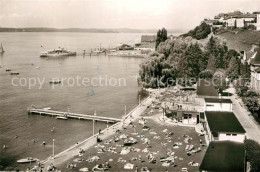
(94,123)
(125,110)
(53,155)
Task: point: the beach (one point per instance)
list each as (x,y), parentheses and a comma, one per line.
(164,138)
(65,155)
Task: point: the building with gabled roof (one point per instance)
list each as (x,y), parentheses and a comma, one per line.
(148,42)
(206,89)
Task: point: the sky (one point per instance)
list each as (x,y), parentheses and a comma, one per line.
(136,14)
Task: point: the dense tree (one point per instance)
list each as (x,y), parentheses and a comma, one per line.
(233,70)
(211,63)
(220,83)
(219,50)
(253,154)
(161,36)
(252,103)
(182,58)
(206,74)
(245,70)
(158,38)
(200,32)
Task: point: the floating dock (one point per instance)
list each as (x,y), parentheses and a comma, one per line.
(72,115)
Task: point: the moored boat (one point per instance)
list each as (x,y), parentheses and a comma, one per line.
(63,117)
(27,160)
(14,73)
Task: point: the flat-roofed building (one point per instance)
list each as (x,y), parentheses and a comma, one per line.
(218,104)
(222,126)
(224,156)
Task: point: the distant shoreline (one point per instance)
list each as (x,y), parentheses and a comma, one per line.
(87,30)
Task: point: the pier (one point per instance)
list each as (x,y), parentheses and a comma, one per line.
(53,113)
(73,150)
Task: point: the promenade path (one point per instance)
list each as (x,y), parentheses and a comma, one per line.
(73,151)
(245,118)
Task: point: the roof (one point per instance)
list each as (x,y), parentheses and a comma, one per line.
(230,16)
(148,38)
(216,100)
(249,54)
(206,88)
(257,70)
(245,16)
(223,122)
(256,57)
(224,156)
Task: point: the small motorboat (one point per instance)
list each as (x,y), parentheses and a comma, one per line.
(27,160)
(64,117)
(8,70)
(47,108)
(14,73)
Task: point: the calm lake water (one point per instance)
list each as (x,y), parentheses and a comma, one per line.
(22,50)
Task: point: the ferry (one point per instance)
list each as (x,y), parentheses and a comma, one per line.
(27,160)
(57,53)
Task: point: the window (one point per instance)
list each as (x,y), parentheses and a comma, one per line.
(228,134)
(209,105)
(215,134)
(202,115)
(186,116)
(234,134)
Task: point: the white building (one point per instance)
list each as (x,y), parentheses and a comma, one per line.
(258,22)
(230,22)
(218,104)
(223,126)
(240,22)
(255,70)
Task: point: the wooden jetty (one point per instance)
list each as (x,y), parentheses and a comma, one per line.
(72,115)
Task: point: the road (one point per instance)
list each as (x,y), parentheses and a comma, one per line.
(245,118)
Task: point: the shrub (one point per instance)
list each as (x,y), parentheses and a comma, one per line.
(253,154)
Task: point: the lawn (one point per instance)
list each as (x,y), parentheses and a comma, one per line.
(161,143)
